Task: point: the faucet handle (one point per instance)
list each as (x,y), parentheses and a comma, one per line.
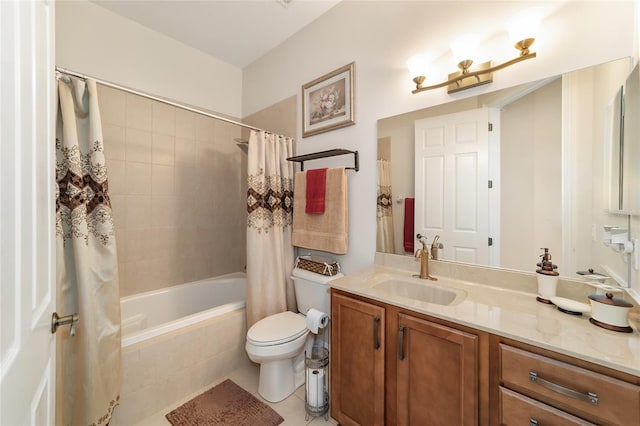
(423,240)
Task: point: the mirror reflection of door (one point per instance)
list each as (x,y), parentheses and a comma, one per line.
(451,183)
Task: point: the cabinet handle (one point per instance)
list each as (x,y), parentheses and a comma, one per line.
(533,422)
(376,333)
(401,343)
(588,397)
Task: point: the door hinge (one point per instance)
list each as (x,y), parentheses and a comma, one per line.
(490,241)
(490,184)
(491,127)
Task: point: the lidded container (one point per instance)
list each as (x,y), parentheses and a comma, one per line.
(547,278)
(610,312)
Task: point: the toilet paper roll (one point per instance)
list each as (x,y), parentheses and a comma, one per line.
(316,320)
(315,388)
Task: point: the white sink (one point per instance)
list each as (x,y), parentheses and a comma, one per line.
(420,291)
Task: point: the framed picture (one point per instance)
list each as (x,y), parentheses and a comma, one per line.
(327,102)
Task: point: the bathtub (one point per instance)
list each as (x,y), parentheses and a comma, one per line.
(177,341)
(153,313)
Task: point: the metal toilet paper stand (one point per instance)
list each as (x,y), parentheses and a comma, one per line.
(317,380)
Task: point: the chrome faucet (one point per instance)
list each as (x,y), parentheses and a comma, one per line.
(423,254)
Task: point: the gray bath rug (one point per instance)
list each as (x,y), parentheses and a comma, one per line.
(225,404)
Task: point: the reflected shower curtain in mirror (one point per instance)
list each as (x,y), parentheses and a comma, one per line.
(86,262)
(270,212)
(384,241)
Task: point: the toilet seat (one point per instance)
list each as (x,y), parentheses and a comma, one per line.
(277,329)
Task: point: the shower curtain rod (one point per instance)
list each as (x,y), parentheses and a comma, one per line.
(155,98)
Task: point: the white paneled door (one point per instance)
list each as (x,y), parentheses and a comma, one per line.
(451,183)
(27,217)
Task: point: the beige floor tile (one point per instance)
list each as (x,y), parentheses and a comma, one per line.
(320,421)
(291,409)
(247,378)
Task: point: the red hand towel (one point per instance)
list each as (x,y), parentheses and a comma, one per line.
(408,224)
(316,186)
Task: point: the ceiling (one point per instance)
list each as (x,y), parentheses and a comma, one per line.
(234,31)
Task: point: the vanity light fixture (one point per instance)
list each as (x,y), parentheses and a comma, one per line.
(467,78)
(521,28)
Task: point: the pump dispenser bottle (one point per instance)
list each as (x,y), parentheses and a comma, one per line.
(547,278)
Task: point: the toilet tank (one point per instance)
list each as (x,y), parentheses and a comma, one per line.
(312,290)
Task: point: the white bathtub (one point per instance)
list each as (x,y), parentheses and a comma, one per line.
(153,313)
(177,341)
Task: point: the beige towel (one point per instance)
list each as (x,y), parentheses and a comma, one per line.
(327,231)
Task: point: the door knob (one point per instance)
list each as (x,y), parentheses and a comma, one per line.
(57,321)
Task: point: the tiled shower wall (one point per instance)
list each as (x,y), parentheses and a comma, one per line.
(175,180)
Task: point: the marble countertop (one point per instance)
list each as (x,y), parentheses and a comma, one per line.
(510,313)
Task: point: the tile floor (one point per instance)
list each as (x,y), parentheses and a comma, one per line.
(291,409)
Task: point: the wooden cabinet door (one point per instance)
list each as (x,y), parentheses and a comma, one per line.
(437,372)
(357,362)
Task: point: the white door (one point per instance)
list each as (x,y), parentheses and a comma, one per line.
(451,183)
(27,217)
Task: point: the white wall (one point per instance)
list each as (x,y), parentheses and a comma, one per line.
(96,42)
(381,36)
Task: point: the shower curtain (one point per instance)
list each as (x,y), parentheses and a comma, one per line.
(270,210)
(86,262)
(384,242)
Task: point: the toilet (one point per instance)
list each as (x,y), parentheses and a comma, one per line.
(278,342)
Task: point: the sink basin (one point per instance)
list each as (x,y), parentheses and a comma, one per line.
(420,291)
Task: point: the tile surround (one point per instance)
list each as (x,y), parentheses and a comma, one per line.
(162,370)
(137,145)
(176,190)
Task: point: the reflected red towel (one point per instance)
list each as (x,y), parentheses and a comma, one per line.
(409,204)
(316,187)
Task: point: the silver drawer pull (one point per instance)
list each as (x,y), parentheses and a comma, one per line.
(533,422)
(588,397)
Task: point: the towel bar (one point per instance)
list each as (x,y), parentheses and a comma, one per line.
(324,154)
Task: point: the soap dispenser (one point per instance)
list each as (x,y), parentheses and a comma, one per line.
(547,278)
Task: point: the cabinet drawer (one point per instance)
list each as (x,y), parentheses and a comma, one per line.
(517,409)
(581,392)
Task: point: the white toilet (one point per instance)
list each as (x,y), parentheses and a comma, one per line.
(277,342)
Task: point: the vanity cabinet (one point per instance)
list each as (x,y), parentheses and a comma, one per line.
(391,366)
(437,374)
(543,387)
(357,361)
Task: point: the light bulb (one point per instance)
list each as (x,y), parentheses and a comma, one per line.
(525,24)
(418,65)
(464,48)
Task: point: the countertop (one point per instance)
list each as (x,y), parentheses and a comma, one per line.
(510,313)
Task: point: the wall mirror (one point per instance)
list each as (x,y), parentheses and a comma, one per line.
(616,126)
(630,145)
(549,166)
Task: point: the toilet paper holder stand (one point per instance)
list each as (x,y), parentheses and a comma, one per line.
(317,379)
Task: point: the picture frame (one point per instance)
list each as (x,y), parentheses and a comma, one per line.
(328,102)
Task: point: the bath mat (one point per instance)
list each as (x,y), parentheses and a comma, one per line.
(225,404)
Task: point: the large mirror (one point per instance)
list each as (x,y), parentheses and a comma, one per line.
(630,145)
(548,170)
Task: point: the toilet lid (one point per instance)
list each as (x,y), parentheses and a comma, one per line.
(277,329)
